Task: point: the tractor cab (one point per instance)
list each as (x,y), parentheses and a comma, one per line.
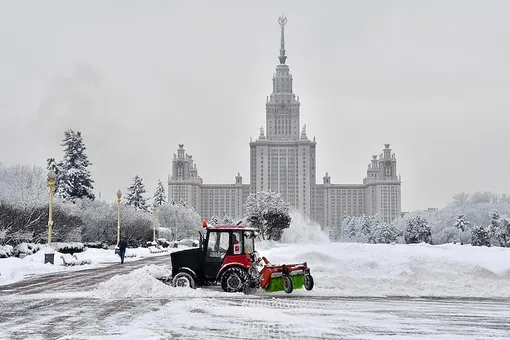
(225,254)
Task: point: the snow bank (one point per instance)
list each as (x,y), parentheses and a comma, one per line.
(354,269)
(143,282)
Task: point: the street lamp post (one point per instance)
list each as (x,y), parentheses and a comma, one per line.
(49,254)
(119,195)
(154,229)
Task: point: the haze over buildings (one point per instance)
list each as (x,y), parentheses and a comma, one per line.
(138,78)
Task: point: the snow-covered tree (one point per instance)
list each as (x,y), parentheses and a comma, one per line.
(417,230)
(135,193)
(52,164)
(349,228)
(74,179)
(480,237)
(227,220)
(494,224)
(23,202)
(367,228)
(159,195)
(335,232)
(182,221)
(269,213)
(386,233)
(461,223)
(503,233)
(214,220)
(254,212)
(499,229)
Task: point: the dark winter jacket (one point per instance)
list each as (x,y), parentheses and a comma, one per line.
(122,246)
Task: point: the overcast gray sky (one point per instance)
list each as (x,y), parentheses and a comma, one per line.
(432,78)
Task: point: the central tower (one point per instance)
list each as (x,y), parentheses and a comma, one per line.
(282,107)
(282,159)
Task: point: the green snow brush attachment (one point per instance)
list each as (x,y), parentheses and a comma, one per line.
(286,283)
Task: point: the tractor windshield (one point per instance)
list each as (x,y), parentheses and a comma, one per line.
(249,243)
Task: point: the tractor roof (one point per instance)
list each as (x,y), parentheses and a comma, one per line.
(230,227)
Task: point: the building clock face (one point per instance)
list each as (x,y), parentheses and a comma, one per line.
(388,163)
(179,163)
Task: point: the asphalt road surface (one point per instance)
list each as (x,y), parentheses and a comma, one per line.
(51,307)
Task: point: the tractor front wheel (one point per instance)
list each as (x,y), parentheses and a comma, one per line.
(234,280)
(183,279)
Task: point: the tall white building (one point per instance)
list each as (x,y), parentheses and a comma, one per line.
(282,159)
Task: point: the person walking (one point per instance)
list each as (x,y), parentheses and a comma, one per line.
(122,250)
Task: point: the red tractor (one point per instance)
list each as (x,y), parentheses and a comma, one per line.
(227,256)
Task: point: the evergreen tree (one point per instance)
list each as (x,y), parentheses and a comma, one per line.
(74,178)
(135,194)
(159,195)
(348,228)
(461,223)
(335,232)
(52,164)
(417,230)
(480,237)
(495,223)
(386,233)
(214,220)
(227,220)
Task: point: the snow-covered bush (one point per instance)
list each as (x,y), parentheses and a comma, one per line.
(68,247)
(27,248)
(95,245)
(6,251)
(417,231)
(162,242)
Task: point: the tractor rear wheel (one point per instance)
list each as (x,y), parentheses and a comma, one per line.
(183,279)
(288,286)
(308,282)
(234,280)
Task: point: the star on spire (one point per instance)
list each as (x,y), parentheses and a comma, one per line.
(282,20)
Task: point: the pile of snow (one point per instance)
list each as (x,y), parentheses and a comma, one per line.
(143,282)
(354,269)
(303,230)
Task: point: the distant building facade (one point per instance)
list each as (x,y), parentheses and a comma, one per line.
(282,159)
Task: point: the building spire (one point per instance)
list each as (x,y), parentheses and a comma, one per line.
(282,20)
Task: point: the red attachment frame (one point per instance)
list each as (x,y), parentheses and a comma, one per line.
(269,269)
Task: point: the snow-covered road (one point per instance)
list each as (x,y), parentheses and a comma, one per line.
(252,318)
(71,281)
(64,306)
